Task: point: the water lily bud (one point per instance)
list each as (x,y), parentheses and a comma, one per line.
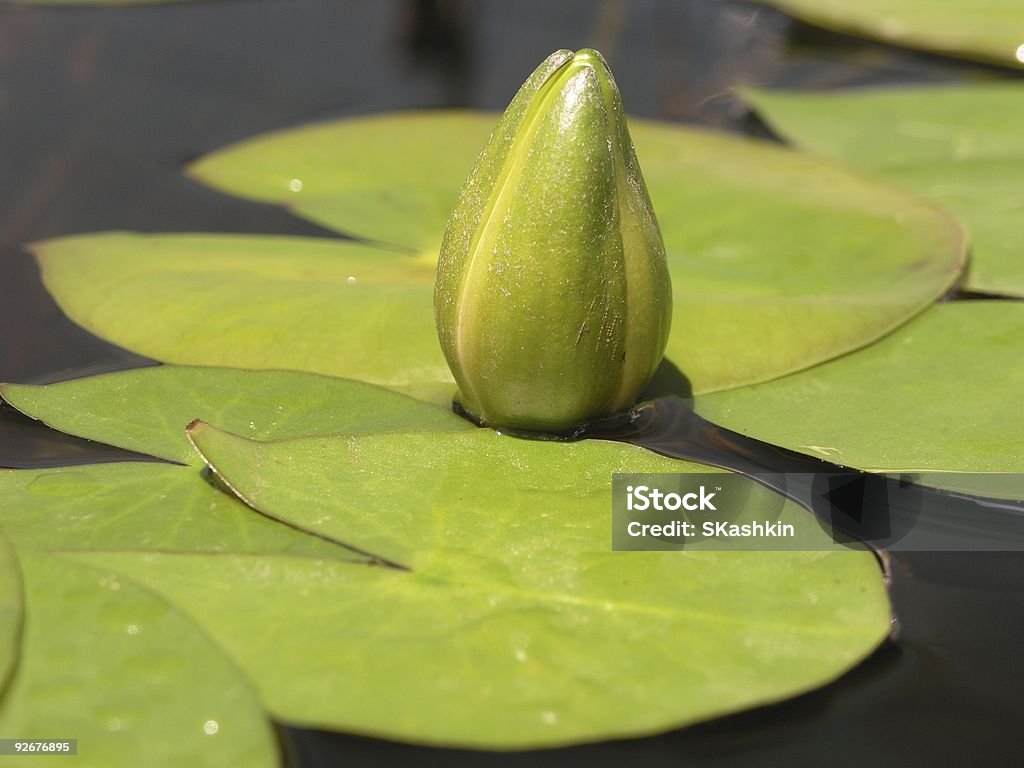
(553,299)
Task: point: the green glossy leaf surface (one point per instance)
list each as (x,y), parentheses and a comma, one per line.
(959,145)
(326,306)
(987,30)
(941,393)
(509,629)
(141,507)
(115,666)
(764,283)
(516,625)
(11,607)
(391,179)
(147,409)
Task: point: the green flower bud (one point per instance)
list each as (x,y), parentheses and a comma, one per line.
(553,299)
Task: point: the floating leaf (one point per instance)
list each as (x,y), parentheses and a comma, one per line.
(988,31)
(959,145)
(114,666)
(169,508)
(765,282)
(10,611)
(517,626)
(158,507)
(941,393)
(326,306)
(655,643)
(141,507)
(147,410)
(498,613)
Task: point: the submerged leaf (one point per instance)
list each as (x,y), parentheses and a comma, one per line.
(941,393)
(959,145)
(116,667)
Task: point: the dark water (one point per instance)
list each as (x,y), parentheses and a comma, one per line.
(99,109)
(886,513)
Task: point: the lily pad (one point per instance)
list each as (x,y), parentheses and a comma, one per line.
(515,625)
(389,179)
(958,145)
(116,667)
(326,306)
(142,507)
(765,283)
(941,393)
(159,507)
(987,31)
(147,410)
(10,611)
(511,575)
